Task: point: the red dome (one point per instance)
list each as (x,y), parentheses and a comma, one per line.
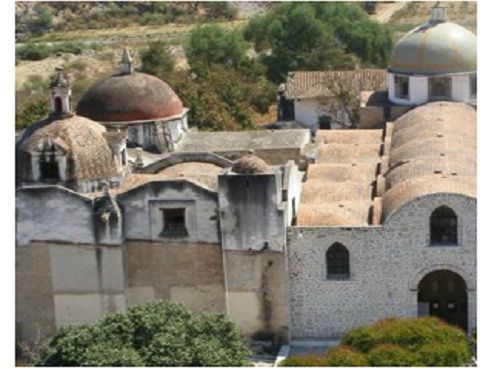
(129,97)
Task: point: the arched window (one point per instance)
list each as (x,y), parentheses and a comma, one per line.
(337,262)
(58,105)
(443,226)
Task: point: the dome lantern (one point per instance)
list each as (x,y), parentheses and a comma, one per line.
(60,94)
(126,64)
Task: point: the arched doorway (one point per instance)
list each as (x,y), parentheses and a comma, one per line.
(443,294)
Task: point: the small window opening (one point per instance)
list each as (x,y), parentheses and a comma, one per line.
(473,85)
(337,262)
(443,224)
(174,223)
(58,105)
(439,88)
(49,168)
(325,122)
(401,86)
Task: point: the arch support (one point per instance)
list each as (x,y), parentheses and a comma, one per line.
(469,281)
(186,157)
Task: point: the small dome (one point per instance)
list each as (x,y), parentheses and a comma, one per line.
(129,97)
(250,164)
(435,48)
(82,141)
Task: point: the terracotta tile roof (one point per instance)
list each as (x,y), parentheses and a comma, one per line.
(308,84)
(83,140)
(338,189)
(202,174)
(433,150)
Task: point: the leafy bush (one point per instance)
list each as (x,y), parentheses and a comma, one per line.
(318,36)
(441,354)
(211,44)
(33,52)
(68,47)
(389,355)
(158,60)
(309,360)
(31,110)
(345,356)
(156,334)
(407,333)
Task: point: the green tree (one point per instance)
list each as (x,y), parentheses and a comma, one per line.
(42,20)
(318,36)
(158,60)
(211,44)
(155,334)
(31,110)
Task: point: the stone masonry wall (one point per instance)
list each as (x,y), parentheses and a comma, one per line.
(387,262)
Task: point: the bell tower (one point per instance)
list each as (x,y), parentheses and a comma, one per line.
(60,94)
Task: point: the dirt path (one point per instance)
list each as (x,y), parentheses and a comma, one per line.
(386,10)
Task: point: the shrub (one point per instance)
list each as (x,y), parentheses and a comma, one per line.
(392,355)
(309,360)
(155,334)
(68,47)
(444,354)
(407,333)
(33,52)
(345,356)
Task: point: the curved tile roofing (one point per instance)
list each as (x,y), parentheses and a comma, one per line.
(130,97)
(433,151)
(83,141)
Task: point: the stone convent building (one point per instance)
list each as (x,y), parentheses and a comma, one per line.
(290,236)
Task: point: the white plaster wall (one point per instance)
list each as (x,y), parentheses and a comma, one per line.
(460,89)
(175,130)
(142,218)
(85,308)
(307,112)
(55,214)
(417,91)
(385,262)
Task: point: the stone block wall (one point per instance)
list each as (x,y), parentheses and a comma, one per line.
(386,262)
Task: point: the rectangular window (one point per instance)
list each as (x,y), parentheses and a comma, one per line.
(325,122)
(174,222)
(49,168)
(473,85)
(439,88)
(401,87)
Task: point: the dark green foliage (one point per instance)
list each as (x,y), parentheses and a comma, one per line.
(395,342)
(31,110)
(222,98)
(33,52)
(444,354)
(211,44)
(345,356)
(407,333)
(40,51)
(155,334)
(309,360)
(389,355)
(41,22)
(157,60)
(318,36)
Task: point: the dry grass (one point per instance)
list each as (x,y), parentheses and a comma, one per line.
(169,31)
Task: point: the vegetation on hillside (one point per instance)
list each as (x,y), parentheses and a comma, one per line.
(158,333)
(223,87)
(396,342)
(44,17)
(318,36)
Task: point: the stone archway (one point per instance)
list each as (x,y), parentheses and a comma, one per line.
(443,293)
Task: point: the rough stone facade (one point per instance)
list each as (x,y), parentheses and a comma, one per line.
(387,262)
